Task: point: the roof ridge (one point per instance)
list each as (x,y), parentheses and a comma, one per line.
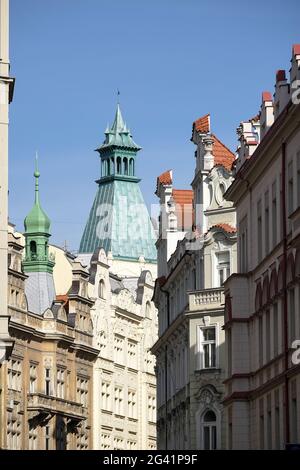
(220,141)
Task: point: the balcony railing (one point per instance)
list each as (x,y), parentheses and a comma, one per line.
(42,403)
(206,299)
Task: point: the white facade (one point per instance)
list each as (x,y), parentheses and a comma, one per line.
(189,296)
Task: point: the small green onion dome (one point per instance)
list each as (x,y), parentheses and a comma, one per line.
(37,220)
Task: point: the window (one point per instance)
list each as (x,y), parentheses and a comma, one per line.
(132,354)
(105,396)
(131,404)
(118,349)
(290,196)
(82,391)
(261,424)
(268,336)
(275,329)
(14,375)
(294,412)
(260,340)
(125,161)
(267,223)
(119,401)
(274,214)
(60,383)
(101,290)
(259,231)
(209,431)
(119,167)
(277,420)
(223,267)
(47,381)
(292,320)
(105,441)
(32,438)
(148,310)
(33,249)
(243,231)
(47,437)
(32,378)
(208,347)
(13,431)
(118,443)
(152,408)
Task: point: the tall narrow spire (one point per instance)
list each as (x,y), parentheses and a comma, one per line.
(36,175)
(118,125)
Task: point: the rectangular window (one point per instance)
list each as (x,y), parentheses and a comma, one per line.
(60,383)
(290,188)
(259,231)
(47,381)
(260,340)
(243,239)
(119,401)
(47,437)
(105,396)
(119,349)
(132,404)
(277,420)
(274,214)
(132,354)
(275,329)
(268,336)
(267,223)
(82,386)
(152,408)
(32,378)
(14,369)
(261,425)
(223,267)
(208,347)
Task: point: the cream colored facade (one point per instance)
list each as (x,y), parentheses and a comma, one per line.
(189,296)
(262,300)
(6,94)
(125,328)
(46,383)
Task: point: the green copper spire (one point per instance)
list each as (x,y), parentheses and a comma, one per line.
(119,220)
(37,233)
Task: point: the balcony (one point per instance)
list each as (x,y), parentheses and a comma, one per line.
(206,299)
(45,405)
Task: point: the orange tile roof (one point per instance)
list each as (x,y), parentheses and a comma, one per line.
(183,199)
(222,155)
(165,178)
(226,227)
(202,124)
(296,49)
(266,96)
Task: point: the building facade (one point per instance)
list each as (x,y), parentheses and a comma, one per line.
(196,252)
(46,383)
(6,96)
(118,246)
(262,299)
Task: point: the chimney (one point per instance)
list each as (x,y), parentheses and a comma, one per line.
(295,61)
(208,159)
(267,113)
(282,92)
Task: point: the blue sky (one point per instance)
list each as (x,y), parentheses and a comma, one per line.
(173,61)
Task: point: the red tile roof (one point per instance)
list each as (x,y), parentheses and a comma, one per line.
(166,177)
(280,76)
(266,96)
(183,199)
(296,49)
(226,227)
(202,124)
(222,155)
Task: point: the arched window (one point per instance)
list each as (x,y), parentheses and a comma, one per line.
(148,310)
(209,430)
(101,289)
(108,167)
(112,166)
(33,249)
(125,163)
(131,167)
(119,166)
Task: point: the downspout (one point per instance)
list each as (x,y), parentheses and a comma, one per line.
(285,299)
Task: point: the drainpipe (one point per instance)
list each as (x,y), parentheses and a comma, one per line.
(285,299)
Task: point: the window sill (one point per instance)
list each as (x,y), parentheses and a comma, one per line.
(208,370)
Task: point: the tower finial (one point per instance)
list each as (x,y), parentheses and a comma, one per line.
(118,94)
(36,175)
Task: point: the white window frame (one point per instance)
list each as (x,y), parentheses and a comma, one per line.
(200,350)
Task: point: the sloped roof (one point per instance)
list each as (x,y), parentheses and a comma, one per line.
(202,124)
(226,227)
(183,199)
(222,154)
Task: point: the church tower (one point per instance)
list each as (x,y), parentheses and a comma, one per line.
(38,263)
(119,220)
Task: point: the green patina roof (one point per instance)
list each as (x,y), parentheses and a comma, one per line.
(37,220)
(119,220)
(118,135)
